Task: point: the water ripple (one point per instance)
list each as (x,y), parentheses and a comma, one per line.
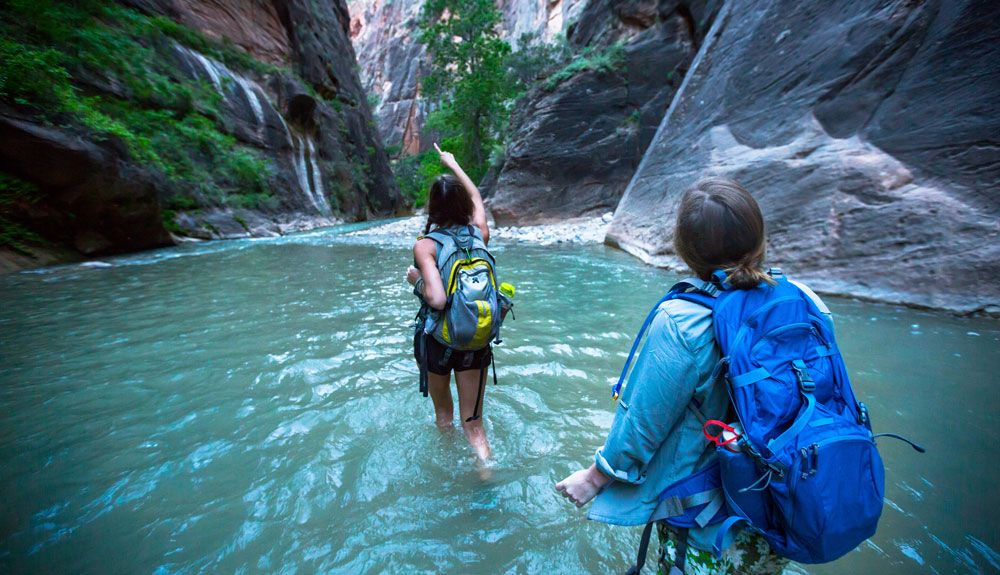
(252,406)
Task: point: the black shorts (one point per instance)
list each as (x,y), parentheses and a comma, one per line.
(459,360)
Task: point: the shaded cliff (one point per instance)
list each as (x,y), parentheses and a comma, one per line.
(208,118)
(869,132)
(578,136)
(392,61)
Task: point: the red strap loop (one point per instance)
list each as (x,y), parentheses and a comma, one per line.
(717,438)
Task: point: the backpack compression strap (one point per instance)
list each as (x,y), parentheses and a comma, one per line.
(691,289)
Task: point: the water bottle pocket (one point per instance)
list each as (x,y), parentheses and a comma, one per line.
(745,483)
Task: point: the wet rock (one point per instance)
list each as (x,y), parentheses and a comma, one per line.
(92,198)
(868,131)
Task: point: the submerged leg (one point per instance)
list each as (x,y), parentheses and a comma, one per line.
(470,397)
(439,387)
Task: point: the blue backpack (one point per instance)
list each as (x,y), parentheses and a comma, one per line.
(804,471)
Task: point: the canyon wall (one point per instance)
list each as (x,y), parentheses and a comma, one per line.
(391,59)
(269,91)
(577,137)
(868,131)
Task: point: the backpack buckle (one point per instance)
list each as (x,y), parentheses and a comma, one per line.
(806,382)
(863,417)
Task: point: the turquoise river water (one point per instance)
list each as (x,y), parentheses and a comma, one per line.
(251,406)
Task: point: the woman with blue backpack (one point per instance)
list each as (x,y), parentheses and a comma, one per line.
(676,400)
(460,313)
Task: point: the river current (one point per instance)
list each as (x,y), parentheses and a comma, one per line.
(251,406)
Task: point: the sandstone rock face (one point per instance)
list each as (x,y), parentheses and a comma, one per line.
(575,146)
(868,131)
(544,19)
(314,128)
(254,25)
(392,61)
(315,141)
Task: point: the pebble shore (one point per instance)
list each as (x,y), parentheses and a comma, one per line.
(576,231)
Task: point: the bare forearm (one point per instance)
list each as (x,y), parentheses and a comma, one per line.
(478,209)
(477,198)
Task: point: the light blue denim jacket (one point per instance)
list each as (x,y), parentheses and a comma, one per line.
(655,439)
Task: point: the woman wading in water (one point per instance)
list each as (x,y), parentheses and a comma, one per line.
(455,215)
(655,439)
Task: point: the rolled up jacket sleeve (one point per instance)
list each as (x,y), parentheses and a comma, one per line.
(661,385)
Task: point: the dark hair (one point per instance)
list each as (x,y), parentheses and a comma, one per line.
(448,204)
(719,226)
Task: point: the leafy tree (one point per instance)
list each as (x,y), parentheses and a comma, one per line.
(468,78)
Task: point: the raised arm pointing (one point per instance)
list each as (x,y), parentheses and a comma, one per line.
(478,211)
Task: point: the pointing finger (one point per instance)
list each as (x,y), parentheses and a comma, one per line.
(437,148)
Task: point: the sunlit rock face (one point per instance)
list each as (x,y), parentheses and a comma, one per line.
(384,33)
(254,25)
(869,132)
(575,143)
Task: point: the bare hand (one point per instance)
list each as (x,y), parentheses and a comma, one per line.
(582,486)
(412,275)
(447,158)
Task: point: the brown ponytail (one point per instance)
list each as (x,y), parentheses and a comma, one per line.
(720,226)
(448,204)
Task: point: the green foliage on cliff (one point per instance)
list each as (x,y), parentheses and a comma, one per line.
(600,60)
(468,76)
(97,66)
(535,59)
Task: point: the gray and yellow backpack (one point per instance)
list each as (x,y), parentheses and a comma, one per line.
(473,313)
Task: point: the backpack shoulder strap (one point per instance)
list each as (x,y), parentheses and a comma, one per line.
(696,290)
(447,245)
(812,296)
(471,238)
(690,289)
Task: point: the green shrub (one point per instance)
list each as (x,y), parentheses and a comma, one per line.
(252,201)
(169,223)
(607,61)
(394,150)
(14,190)
(31,76)
(17,237)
